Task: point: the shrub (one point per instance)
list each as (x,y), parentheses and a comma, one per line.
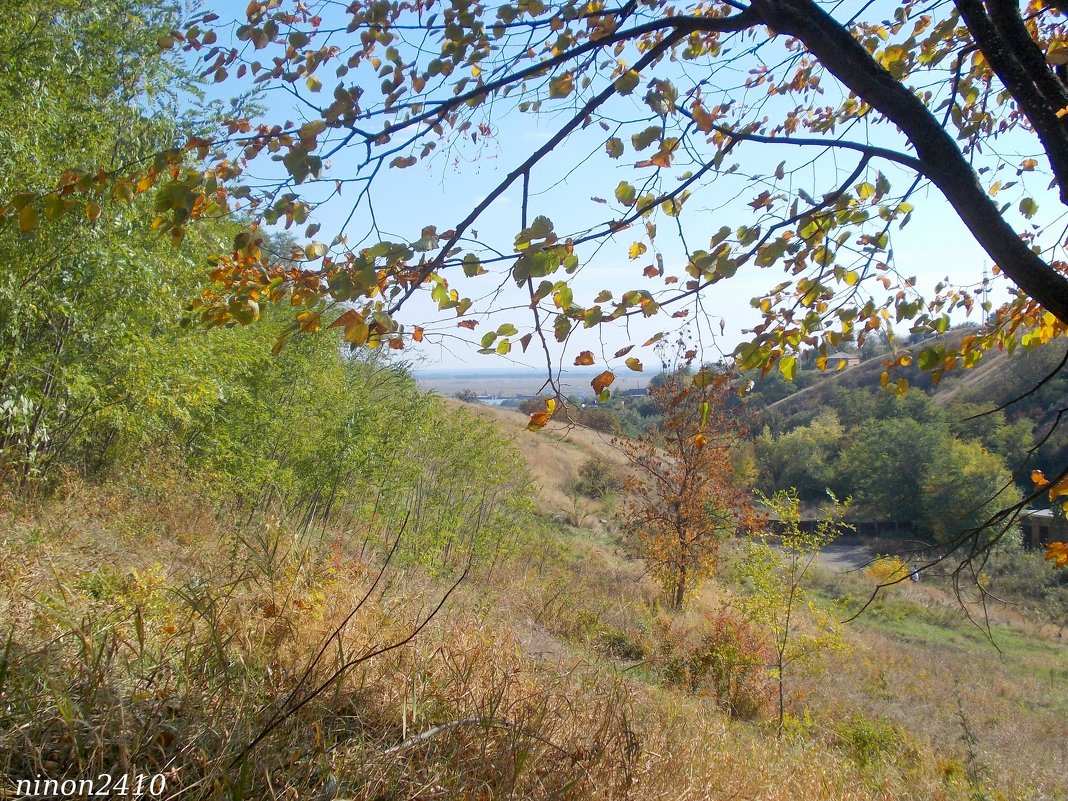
(871,741)
(721,654)
(598,479)
(618,644)
(888,569)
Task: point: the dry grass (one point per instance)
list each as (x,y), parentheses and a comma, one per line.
(553,455)
(147,634)
(991,691)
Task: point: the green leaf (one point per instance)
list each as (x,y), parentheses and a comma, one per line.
(643,139)
(1028,207)
(704,378)
(561,327)
(472,265)
(626,194)
(614,147)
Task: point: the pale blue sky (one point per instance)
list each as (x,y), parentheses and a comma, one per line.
(442,190)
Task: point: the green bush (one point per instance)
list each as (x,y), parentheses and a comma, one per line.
(871,741)
(721,654)
(598,479)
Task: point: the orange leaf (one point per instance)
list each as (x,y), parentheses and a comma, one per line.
(1057,552)
(417,334)
(538,421)
(345,319)
(584,358)
(1059,488)
(603,381)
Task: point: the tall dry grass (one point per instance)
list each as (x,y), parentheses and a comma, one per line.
(145,632)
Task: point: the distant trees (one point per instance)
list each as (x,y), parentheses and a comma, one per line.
(681,500)
(903,459)
(805,458)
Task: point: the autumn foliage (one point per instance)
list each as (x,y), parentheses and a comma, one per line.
(681,498)
(865,113)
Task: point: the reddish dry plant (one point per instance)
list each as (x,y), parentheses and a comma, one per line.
(682,499)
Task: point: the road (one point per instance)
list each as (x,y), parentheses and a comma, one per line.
(846,557)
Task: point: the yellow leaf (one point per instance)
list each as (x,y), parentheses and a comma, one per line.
(308,321)
(27,219)
(699,441)
(634,364)
(636,250)
(561,86)
(1038,478)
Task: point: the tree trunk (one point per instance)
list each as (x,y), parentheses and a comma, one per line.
(842,55)
(680,589)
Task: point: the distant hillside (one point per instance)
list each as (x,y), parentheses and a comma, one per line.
(997,379)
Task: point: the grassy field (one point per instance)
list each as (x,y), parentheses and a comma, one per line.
(148,631)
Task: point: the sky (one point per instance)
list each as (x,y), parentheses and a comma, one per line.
(442,190)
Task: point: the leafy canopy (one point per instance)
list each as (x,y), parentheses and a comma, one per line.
(862,107)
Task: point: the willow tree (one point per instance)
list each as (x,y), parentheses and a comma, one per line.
(828,122)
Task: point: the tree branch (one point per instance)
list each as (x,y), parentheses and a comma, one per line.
(845,58)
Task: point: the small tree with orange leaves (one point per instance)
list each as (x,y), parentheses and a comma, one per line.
(681,500)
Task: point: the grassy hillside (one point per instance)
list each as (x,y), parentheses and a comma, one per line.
(152,630)
(998,378)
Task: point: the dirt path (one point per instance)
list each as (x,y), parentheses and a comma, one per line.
(846,557)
